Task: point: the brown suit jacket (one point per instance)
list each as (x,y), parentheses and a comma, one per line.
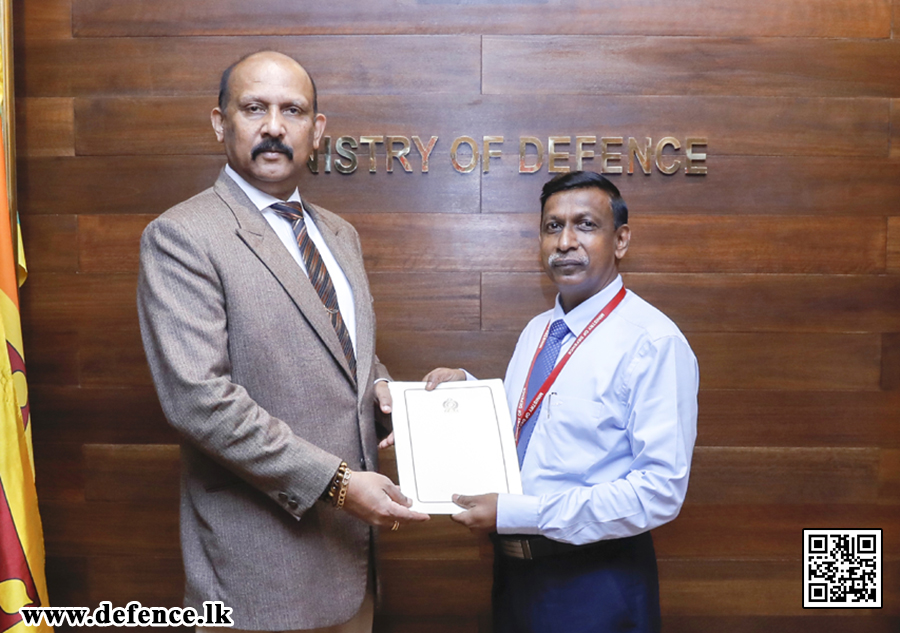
(249,370)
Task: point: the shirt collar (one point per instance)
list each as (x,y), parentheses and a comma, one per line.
(581,315)
(261,199)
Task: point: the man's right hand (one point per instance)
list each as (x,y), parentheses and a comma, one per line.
(375,499)
(442,374)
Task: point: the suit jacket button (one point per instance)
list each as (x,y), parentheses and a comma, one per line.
(282,497)
(292,504)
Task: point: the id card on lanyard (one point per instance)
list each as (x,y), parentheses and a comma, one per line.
(523,414)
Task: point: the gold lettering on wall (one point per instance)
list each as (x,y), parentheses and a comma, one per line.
(464,169)
(666,155)
(524,142)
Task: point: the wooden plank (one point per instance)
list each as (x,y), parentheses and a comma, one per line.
(745,588)
(132,185)
(413,65)
(120,529)
(805,418)
(52,356)
(45,127)
(58,466)
(890,361)
(659,244)
(80,415)
(121,184)
(699,66)
(411,355)
(813,186)
(67,580)
(427,301)
(889,477)
(49,241)
(895,125)
(410,587)
(106,246)
(151,580)
(853,623)
(416,624)
(789,362)
(791,245)
(36,19)
(893,245)
(740,185)
(797,18)
(57,302)
(744,126)
(721,475)
(470,242)
(721,303)
(131,472)
(114,357)
(741,531)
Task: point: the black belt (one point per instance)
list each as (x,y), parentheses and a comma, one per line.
(533,547)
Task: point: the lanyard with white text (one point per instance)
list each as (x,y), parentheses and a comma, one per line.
(523,414)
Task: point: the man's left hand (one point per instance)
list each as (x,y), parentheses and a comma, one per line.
(480,514)
(383,396)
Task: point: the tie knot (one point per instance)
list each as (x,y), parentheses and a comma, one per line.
(289,210)
(558,329)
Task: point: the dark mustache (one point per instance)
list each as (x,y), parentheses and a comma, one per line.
(272,145)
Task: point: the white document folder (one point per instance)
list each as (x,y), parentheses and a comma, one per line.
(457,439)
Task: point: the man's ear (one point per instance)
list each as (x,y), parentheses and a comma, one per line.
(218,123)
(623,238)
(319,127)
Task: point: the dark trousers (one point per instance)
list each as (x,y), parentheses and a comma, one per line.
(609,587)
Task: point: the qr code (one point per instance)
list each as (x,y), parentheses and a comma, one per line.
(842,568)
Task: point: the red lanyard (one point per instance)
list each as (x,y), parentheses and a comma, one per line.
(523,414)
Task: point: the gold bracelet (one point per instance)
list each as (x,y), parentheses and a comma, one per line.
(335,484)
(342,494)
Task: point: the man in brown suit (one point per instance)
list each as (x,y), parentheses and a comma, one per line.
(274,402)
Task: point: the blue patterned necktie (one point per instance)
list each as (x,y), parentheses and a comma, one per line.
(543,365)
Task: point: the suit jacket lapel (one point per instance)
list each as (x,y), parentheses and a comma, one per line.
(256,233)
(352,265)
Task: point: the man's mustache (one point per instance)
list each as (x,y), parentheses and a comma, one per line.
(272,145)
(555,258)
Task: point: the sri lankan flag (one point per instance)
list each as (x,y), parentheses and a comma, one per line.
(22,581)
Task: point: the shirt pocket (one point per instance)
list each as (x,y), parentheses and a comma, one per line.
(580,432)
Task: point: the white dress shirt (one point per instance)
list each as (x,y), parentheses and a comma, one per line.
(611,450)
(285,233)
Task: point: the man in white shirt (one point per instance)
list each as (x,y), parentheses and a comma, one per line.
(603,391)
(258,326)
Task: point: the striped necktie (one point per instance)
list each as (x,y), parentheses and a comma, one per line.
(318,275)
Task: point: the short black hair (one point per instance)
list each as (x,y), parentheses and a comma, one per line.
(583,180)
(226,77)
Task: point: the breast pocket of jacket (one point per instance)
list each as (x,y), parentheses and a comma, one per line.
(580,432)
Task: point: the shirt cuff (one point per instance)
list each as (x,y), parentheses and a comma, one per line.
(468,375)
(378,380)
(517,514)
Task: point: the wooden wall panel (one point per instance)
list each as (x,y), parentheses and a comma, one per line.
(796,18)
(49,241)
(893,245)
(39,19)
(677,66)
(780,264)
(827,362)
(746,126)
(784,475)
(741,185)
(47,127)
(705,302)
(382,65)
(798,418)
